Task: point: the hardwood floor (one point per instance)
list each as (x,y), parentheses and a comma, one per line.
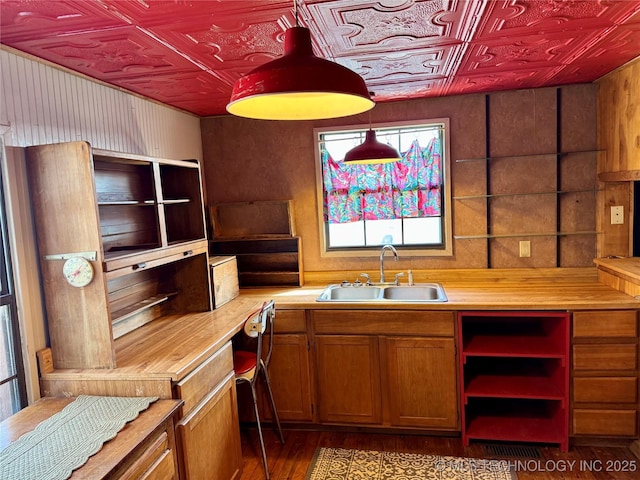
(290,461)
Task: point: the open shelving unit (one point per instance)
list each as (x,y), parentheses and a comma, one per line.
(532,186)
(139,221)
(514,371)
(261,235)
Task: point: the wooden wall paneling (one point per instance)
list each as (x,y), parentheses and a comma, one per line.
(619,118)
(614,239)
(47,104)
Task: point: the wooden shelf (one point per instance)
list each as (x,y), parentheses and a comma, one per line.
(127,203)
(515,235)
(528,155)
(131,310)
(513,386)
(265,261)
(521,194)
(513,346)
(524,398)
(516,426)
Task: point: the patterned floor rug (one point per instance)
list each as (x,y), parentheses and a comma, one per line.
(342,464)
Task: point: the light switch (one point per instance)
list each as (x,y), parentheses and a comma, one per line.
(525,248)
(617,215)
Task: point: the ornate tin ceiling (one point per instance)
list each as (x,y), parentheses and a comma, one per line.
(189,53)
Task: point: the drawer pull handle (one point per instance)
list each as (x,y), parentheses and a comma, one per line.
(140,266)
(187,253)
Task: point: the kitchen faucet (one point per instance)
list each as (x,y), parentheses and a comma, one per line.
(384,249)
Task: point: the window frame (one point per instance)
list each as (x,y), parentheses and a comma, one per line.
(445,250)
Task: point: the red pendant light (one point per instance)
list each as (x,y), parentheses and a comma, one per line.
(371,151)
(299,86)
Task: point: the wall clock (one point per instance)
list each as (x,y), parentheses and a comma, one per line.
(78,271)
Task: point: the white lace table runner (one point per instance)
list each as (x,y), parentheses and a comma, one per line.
(67,439)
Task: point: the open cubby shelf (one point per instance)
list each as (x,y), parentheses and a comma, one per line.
(145,304)
(515,377)
(264,261)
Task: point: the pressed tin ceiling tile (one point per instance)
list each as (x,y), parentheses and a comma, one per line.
(188,53)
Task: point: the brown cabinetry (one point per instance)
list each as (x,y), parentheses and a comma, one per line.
(421,368)
(139,221)
(210,417)
(210,436)
(348,369)
(605,373)
(386,368)
(289,369)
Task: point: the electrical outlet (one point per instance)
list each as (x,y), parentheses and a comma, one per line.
(525,248)
(617,215)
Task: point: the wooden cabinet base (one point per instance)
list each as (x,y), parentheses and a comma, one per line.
(210,437)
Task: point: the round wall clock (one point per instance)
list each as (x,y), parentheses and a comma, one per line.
(78,271)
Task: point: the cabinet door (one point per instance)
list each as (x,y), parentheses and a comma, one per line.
(421,375)
(290,379)
(348,379)
(210,436)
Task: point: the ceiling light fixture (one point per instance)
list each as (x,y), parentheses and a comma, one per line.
(299,85)
(371,151)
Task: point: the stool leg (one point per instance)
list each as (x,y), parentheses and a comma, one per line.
(255,409)
(273,403)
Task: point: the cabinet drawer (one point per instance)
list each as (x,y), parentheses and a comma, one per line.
(384,322)
(605,389)
(289,321)
(156,462)
(616,323)
(195,386)
(605,357)
(604,422)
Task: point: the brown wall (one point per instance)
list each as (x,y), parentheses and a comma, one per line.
(247,160)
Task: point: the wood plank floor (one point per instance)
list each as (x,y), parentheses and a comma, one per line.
(290,461)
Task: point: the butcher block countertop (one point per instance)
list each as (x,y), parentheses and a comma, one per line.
(470,296)
(168,349)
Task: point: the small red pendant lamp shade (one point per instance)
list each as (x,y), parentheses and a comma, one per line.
(299,86)
(371,151)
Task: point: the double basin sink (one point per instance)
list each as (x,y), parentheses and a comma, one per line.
(424,292)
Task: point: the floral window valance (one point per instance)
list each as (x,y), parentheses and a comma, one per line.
(409,188)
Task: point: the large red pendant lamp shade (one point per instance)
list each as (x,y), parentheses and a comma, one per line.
(299,86)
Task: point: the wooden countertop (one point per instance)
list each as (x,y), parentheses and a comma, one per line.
(626,267)
(471,296)
(113,452)
(171,347)
(178,343)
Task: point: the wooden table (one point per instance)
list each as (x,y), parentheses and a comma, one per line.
(145,444)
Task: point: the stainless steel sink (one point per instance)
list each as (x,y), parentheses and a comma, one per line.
(346,294)
(421,293)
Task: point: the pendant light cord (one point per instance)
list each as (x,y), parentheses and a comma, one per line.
(295,12)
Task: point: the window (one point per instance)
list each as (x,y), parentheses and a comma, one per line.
(13,395)
(405,203)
